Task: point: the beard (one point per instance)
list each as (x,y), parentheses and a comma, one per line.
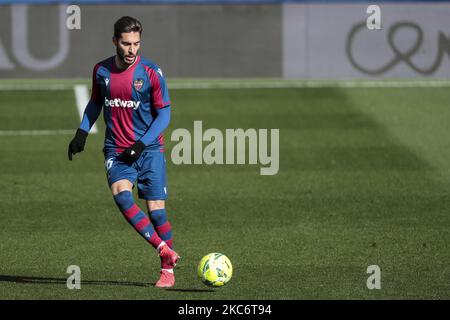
(126,59)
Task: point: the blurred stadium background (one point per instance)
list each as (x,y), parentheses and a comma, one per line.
(364,174)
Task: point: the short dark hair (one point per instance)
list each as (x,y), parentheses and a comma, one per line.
(126,24)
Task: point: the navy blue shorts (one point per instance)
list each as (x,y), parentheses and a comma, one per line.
(149,171)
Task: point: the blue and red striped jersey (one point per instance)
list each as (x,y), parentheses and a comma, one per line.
(131,100)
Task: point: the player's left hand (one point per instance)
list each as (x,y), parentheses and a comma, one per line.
(77,143)
(131,154)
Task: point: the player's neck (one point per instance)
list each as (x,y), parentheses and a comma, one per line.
(122,66)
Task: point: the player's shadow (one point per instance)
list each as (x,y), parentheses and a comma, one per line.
(48,280)
(190,290)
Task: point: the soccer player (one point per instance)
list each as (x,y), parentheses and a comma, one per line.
(134,97)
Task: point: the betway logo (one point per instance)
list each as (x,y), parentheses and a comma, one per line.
(122,103)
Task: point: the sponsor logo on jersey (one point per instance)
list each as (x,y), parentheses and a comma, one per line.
(138,83)
(117,102)
(106,81)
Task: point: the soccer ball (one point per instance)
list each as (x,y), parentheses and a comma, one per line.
(215,269)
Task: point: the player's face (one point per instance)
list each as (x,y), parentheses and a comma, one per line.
(127,47)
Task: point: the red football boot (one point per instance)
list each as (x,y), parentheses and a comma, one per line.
(166,279)
(169,258)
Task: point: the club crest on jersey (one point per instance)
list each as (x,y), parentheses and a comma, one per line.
(138,83)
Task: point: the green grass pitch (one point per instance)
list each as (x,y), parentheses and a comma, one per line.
(364,180)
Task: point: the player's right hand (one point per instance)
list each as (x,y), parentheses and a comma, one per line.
(77,143)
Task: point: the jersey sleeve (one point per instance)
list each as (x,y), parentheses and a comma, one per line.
(94,106)
(158,91)
(96,92)
(160,123)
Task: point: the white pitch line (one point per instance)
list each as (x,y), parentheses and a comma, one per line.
(35,132)
(82,98)
(37,87)
(82,94)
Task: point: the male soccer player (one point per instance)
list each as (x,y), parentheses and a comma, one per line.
(136,107)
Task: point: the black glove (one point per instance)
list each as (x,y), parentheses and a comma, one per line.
(131,154)
(77,143)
